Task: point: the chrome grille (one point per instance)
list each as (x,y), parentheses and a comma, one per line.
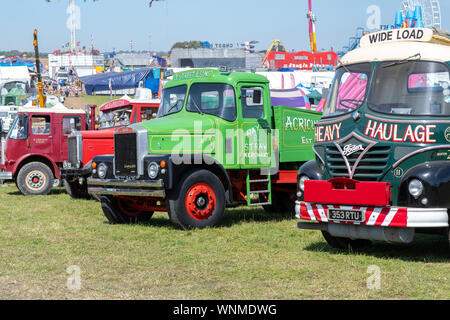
(125,154)
(370,168)
(73,150)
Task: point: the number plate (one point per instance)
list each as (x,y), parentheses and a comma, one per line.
(346,215)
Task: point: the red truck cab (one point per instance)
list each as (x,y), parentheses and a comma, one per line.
(84,145)
(36,147)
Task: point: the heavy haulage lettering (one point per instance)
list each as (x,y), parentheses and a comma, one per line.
(327,133)
(390,132)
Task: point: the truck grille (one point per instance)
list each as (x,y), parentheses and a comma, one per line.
(73,150)
(125,154)
(370,168)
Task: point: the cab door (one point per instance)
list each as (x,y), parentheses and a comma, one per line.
(41,134)
(255,128)
(69,124)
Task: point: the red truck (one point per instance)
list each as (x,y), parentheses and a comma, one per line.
(36,147)
(84,145)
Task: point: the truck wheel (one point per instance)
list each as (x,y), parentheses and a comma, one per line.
(198,202)
(119,211)
(345,243)
(281,203)
(76,190)
(35,178)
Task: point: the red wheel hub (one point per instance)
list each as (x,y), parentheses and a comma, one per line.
(200,201)
(128,207)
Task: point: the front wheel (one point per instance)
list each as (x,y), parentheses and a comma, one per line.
(345,243)
(77,190)
(123,210)
(198,202)
(281,204)
(35,178)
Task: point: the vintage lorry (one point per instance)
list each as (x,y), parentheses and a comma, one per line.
(36,147)
(217,141)
(84,145)
(382,168)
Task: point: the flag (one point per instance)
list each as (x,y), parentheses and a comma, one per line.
(110,89)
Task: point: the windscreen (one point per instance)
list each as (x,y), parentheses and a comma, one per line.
(19,129)
(212,98)
(349,89)
(172,100)
(411,88)
(115,118)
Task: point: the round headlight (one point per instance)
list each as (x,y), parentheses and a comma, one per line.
(102,169)
(153,169)
(301,182)
(415,188)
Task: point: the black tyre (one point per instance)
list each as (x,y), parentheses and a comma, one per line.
(120,211)
(345,243)
(198,202)
(35,178)
(77,190)
(281,204)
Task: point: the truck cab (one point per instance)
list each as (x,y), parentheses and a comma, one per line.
(84,145)
(217,141)
(382,167)
(36,147)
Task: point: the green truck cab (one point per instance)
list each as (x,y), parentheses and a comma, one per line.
(382,168)
(217,141)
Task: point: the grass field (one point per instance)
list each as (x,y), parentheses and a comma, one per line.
(254,255)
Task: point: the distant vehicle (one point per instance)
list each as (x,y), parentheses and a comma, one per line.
(36,147)
(84,145)
(62,75)
(7,115)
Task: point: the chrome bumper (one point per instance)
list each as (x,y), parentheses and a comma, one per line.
(138,188)
(5,175)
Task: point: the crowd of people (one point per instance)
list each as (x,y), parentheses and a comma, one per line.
(61,89)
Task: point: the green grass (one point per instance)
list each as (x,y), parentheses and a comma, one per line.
(254,255)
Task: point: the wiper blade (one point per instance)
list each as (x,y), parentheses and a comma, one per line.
(407,60)
(172,107)
(197,107)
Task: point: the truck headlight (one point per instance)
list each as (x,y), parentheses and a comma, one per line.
(102,169)
(153,170)
(415,188)
(301,182)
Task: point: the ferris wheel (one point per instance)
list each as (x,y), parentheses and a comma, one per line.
(431,11)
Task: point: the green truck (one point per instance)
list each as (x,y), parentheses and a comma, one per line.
(382,169)
(217,141)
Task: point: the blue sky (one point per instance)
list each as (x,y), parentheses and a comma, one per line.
(113,23)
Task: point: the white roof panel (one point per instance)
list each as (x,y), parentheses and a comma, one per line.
(398,51)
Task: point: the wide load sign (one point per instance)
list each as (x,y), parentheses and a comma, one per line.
(396,35)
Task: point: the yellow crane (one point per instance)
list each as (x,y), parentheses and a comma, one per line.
(40,87)
(275,43)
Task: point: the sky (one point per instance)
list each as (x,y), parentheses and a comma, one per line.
(112,24)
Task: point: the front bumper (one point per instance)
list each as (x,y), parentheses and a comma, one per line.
(75,173)
(138,188)
(6,176)
(376,216)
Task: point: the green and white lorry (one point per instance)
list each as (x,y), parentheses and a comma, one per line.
(217,141)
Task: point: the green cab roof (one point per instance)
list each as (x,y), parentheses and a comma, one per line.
(212,75)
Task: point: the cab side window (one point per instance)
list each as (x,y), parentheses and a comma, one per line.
(40,124)
(71,123)
(252,103)
(147,113)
